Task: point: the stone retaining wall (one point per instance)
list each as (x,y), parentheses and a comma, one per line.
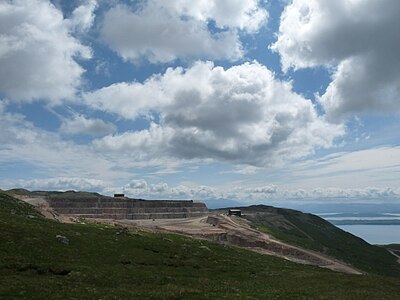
(125,208)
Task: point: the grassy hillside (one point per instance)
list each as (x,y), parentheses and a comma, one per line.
(103,262)
(393,246)
(313,232)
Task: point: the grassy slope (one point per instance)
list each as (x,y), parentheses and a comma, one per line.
(99,263)
(313,232)
(393,246)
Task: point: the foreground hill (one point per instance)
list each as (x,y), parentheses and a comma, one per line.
(312,232)
(45,259)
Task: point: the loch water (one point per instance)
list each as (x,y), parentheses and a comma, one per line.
(375,234)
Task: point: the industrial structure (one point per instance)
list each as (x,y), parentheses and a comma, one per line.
(235,212)
(121,207)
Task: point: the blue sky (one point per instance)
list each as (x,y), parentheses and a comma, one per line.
(252,101)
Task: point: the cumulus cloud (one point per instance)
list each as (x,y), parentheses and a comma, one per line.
(21,143)
(247,15)
(80,125)
(162,31)
(256,194)
(368,193)
(159,37)
(83,16)
(363,194)
(359,40)
(139,184)
(139,188)
(37,52)
(269,189)
(270,194)
(159,188)
(60,184)
(241,115)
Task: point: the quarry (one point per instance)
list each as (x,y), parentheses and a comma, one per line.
(119,208)
(184,217)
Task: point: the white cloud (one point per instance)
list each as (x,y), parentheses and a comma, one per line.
(259,194)
(241,115)
(37,52)
(129,100)
(139,184)
(44,152)
(243,170)
(159,35)
(265,194)
(359,40)
(379,167)
(58,184)
(269,189)
(163,31)
(83,16)
(323,194)
(247,15)
(159,188)
(140,189)
(80,125)
(362,195)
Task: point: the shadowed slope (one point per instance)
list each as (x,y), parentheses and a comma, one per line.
(312,232)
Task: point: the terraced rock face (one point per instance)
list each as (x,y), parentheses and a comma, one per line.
(125,208)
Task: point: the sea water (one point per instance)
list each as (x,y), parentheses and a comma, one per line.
(375,234)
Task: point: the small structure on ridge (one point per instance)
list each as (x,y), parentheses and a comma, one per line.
(235,212)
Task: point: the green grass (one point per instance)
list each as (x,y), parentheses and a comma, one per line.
(103,262)
(312,232)
(393,246)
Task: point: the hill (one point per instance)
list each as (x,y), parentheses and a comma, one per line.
(312,232)
(41,258)
(293,227)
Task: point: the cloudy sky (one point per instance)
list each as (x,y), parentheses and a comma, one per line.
(253,101)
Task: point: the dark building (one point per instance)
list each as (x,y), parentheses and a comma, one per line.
(235,212)
(119,195)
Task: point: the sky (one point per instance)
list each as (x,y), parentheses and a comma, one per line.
(269,101)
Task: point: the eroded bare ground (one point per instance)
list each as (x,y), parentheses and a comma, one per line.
(220,228)
(395,253)
(236,231)
(41,205)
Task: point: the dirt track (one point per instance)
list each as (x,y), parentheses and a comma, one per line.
(395,253)
(236,231)
(220,228)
